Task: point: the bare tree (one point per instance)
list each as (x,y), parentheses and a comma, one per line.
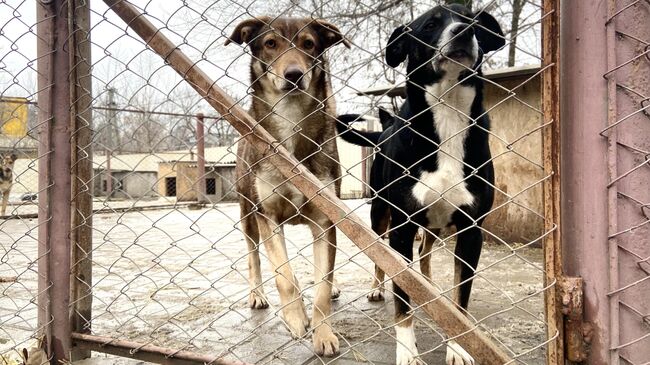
(221,133)
(517,7)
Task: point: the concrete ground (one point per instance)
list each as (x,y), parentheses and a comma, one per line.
(177,278)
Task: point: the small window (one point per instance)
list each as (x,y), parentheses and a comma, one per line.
(210,186)
(170,186)
(104,185)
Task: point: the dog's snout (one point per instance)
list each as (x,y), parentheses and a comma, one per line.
(462,31)
(293,74)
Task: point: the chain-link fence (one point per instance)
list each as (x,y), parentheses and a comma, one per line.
(19,186)
(202,233)
(18,110)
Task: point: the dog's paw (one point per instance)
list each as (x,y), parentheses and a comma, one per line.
(297,320)
(376,295)
(298,327)
(257,301)
(456,355)
(406,359)
(325,341)
(336,292)
(406,351)
(405,356)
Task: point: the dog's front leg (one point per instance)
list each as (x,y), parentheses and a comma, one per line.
(5,200)
(325,341)
(256,298)
(401,240)
(466,257)
(377,289)
(380,218)
(293,309)
(428,239)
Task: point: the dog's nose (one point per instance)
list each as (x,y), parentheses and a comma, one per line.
(293,74)
(466,30)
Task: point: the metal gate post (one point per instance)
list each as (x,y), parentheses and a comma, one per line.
(584,152)
(82,171)
(551,186)
(54,178)
(200,158)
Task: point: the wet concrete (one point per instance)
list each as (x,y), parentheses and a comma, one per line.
(177,278)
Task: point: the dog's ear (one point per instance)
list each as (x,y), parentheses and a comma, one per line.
(247,30)
(14,157)
(488,33)
(329,33)
(396,49)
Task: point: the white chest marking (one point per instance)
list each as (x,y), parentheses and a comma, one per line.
(272,187)
(444,190)
(287,115)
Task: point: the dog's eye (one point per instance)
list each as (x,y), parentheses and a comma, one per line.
(430,25)
(308,44)
(270,43)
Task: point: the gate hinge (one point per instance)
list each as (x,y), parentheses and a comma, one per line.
(577,332)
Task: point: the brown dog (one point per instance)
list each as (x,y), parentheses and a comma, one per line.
(6,178)
(292,100)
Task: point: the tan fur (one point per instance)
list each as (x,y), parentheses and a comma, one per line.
(458,264)
(300,116)
(404,320)
(428,239)
(376,293)
(377,289)
(6,179)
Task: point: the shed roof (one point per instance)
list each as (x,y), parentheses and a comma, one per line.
(494,75)
(9,143)
(149,161)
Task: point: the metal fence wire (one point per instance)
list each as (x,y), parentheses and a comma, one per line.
(18,181)
(628,153)
(177,200)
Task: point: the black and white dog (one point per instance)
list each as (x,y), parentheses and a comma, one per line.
(434,169)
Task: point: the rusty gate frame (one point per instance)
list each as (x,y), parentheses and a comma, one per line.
(65,300)
(552,244)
